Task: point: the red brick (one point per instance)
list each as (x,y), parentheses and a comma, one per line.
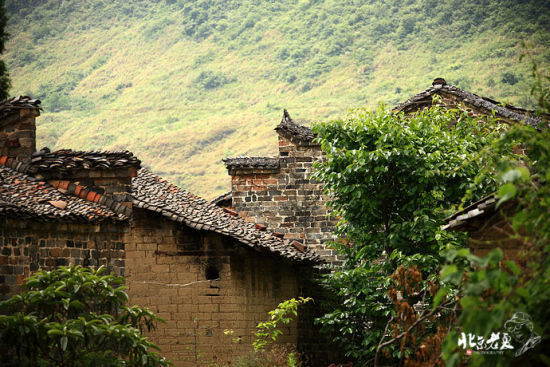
(64,185)
(77,190)
(54,183)
(20,279)
(91,195)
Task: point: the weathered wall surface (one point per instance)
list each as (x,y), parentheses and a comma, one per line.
(26,246)
(168,268)
(287,199)
(18,133)
(494,232)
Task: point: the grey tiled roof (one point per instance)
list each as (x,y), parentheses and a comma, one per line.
(61,161)
(290,128)
(26,197)
(154,193)
(16,103)
(484,104)
(476,210)
(57,164)
(252,162)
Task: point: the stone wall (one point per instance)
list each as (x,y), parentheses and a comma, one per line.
(18,133)
(287,200)
(26,246)
(203,283)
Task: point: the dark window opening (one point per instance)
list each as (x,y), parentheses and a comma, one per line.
(212,273)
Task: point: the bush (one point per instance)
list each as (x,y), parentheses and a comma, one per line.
(211,80)
(75,316)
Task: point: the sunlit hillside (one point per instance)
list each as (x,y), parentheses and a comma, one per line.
(186,83)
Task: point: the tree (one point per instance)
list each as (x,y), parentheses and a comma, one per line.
(5,83)
(75,317)
(494,290)
(393,179)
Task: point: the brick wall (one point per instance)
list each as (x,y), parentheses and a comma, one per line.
(18,133)
(27,246)
(168,267)
(287,199)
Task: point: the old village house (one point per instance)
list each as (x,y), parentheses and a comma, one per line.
(202,267)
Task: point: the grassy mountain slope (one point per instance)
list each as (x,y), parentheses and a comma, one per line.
(185,83)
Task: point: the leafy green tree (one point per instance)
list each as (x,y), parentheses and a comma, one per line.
(5,82)
(75,317)
(492,290)
(392,179)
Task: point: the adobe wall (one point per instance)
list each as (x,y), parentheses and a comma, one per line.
(494,232)
(27,246)
(167,266)
(287,200)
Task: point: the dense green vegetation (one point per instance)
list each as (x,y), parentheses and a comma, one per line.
(184,83)
(392,185)
(5,82)
(409,292)
(75,316)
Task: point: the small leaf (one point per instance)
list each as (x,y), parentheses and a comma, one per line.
(511,175)
(525,174)
(513,267)
(506,192)
(64,341)
(441,293)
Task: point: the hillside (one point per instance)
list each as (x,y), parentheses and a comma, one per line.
(185,83)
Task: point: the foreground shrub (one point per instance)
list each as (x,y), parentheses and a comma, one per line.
(75,316)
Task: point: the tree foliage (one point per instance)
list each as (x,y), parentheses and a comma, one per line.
(393,179)
(493,289)
(5,82)
(75,317)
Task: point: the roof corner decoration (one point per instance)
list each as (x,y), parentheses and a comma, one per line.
(294,131)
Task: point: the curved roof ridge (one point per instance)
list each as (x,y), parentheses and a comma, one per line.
(507,111)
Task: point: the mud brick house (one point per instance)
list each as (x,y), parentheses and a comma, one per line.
(200,267)
(205,270)
(279,193)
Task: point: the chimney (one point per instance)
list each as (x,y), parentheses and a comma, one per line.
(18,127)
(104,177)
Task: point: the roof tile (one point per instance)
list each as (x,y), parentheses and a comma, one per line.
(154,193)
